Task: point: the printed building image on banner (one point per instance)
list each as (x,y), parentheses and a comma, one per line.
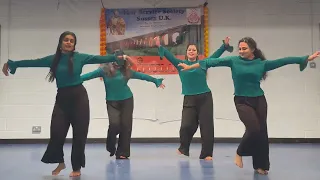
(133,31)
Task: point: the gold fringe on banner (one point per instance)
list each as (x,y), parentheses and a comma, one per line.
(103,33)
(206,30)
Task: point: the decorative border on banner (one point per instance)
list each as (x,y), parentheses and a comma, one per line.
(103,35)
(206,30)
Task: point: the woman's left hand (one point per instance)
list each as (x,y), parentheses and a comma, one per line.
(313,56)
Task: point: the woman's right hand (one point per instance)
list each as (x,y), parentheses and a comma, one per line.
(157,41)
(5,69)
(184,66)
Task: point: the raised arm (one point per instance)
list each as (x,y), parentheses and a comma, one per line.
(39,62)
(274,64)
(92,75)
(225,46)
(145,77)
(210,62)
(163,52)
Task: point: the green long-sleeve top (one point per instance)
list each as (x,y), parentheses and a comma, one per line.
(193,81)
(116,87)
(63,77)
(247,74)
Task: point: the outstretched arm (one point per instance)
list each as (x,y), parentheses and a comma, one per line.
(145,77)
(92,75)
(209,62)
(39,62)
(302,61)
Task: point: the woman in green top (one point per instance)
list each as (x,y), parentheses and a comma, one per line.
(248,69)
(72,104)
(197,103)
(119,100)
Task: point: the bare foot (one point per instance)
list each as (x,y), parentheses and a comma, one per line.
(208,158)
(261,171)
(122,157)
(179,152)
(75,173)
(238,161)
(59,168)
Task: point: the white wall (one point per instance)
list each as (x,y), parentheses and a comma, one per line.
(282,28)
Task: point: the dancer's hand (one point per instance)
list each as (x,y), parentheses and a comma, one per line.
(184,66)
(124,57)
(313,56)
(162,86)
(226,41)
(157,41)
(5,69)
(130,59)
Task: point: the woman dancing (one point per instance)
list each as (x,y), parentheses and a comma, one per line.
(248,69)
(197,103)
(120,103)
(71,105)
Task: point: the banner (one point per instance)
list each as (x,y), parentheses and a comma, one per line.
(133,31)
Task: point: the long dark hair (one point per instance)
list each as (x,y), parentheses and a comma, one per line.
(110,69)
(256,51)
(57,57)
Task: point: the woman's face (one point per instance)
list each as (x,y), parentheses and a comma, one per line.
(68,43)
(245,51)
(192,52)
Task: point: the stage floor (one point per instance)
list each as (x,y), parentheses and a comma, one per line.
(160,162)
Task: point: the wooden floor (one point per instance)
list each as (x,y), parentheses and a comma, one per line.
(160,162)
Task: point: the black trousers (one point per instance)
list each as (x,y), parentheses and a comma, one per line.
(197,110)
(253,113)
(120,123)
(71,107)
